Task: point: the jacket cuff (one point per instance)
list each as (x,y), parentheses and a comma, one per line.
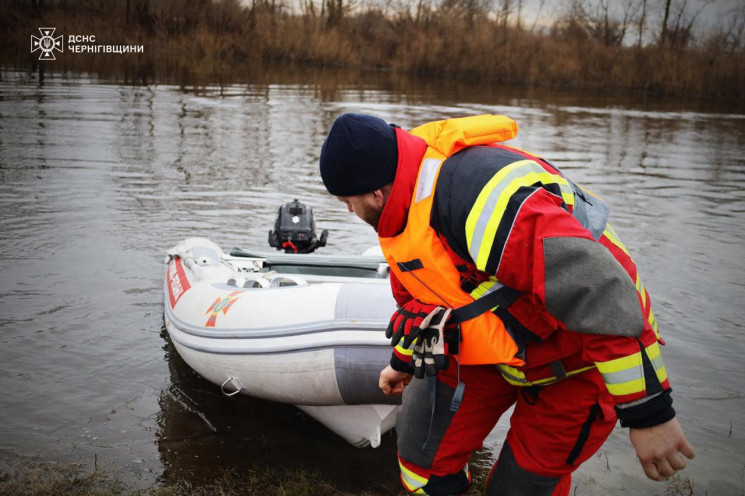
(656,411)
(401,365)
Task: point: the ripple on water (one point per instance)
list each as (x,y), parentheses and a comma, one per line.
(97,181)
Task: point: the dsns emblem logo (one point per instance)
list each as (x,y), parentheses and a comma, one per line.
(47,43)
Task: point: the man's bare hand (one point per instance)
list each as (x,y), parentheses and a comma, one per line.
(661,448)
(392,381)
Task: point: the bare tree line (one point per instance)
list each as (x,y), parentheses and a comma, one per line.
(652,46)
(613,22)
(616,22)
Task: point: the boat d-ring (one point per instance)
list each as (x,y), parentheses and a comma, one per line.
(236,384)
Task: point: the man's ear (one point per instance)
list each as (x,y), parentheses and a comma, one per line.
(379,197)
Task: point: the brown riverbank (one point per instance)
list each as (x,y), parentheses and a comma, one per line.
(21,477)
(214,40)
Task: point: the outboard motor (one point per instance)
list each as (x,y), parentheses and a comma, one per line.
(295,230)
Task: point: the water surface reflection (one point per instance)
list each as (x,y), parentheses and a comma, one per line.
(98,180)
(202,433)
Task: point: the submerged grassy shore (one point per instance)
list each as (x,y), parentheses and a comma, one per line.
(35,478)
(207,41)
(214,39)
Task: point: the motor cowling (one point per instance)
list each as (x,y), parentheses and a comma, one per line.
(295,230)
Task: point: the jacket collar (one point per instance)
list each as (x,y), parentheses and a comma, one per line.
(411,150)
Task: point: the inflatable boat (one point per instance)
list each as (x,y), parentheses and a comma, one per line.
(303,329)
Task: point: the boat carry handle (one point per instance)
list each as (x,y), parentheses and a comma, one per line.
(236,384)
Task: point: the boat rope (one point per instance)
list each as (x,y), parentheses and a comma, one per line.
(290,244)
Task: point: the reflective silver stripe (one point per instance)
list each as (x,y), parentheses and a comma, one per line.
(623,376)
(516,171)
(410,482)
(486,288)
(491,202)
(427,177)
(633,373)
(496,286)
(657,363)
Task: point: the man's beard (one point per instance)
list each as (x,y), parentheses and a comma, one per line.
(372,217)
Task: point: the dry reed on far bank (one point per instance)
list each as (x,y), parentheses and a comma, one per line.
(221,35)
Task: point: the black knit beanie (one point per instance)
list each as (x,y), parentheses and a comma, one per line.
(359,155)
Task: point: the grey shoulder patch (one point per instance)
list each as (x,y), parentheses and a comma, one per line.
(588,290)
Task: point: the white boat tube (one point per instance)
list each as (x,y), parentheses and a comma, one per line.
(301,329)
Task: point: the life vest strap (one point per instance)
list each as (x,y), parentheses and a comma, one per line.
(502,297)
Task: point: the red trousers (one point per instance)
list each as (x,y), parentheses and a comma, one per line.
(552,431)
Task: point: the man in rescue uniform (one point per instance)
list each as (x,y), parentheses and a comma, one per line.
(512,290)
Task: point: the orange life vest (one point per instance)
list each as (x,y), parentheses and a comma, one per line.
(418,257)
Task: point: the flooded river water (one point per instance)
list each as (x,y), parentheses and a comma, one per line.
(98,179)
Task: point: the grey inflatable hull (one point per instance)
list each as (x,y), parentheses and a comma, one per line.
(308,330)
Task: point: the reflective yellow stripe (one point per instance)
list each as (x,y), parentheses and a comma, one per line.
(613,238)
(414,483)
(486,287)
(625,375)
(405,351)
(655,356)
(622,363)
(517,377)
(513,375)
(488,210)
(411,481)
(483,288)
(642,291)
(590,192)
(630,387)
(653,323)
